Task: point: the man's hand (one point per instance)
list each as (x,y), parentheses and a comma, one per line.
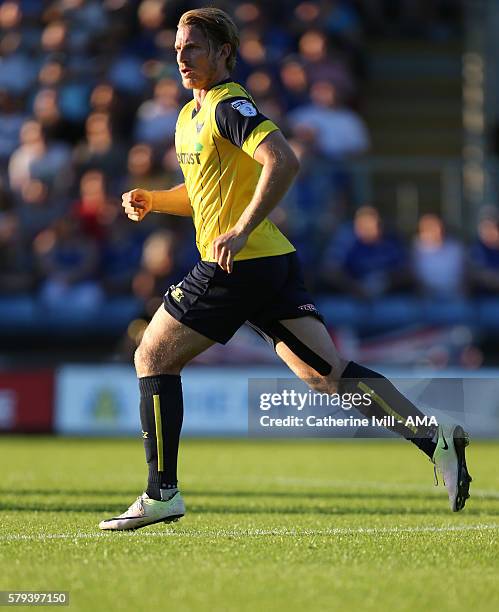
(137,203)
(226,247)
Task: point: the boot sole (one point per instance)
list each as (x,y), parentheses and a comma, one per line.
(169,519)
(463,477)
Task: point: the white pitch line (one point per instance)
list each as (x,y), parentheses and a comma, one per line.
(252,533)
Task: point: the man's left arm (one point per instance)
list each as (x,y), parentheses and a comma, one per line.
(280,167)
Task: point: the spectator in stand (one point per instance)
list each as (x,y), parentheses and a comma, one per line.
(266,95)
(156,118)
(84,68)
(95,209)
(87,21)
(52,72)
(367,261)
(295,84)
(438,261)
(70,35)
(157,271)
(47,112)
(16,272)
(322,65)
(143,170)
(275,35)
(100,151)
(121,253)
(155,274)
(39,159)
(104,99)
(150,15)
(339,132)
(68,263)
(54,38)
(253,54)
(484,254)
(12,21)
(146,172)
(126,75)
(12,118)
(31,145)
(73,86)
(311,207)
(143,44)
(37,208)
(19,68)
(339,18)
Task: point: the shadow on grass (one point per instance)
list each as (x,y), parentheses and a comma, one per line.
(302,510)
(128,494)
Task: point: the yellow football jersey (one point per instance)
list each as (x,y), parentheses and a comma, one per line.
(215,148)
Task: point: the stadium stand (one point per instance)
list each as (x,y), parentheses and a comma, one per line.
(89,93)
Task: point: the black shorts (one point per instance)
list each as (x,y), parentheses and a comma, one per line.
(257,291)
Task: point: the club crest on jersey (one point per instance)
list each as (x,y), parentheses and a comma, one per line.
(245,107)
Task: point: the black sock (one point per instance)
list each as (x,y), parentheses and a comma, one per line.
(392,402)
(161,415)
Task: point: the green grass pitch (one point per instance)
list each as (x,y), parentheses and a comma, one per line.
(287,525)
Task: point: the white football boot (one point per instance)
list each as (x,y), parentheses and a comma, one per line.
(450,461)
(146,511)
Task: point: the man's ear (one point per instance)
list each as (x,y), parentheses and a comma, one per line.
(225,50)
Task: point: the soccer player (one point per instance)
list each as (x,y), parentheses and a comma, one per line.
(237,166)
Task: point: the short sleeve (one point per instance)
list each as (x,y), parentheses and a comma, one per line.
(240,122)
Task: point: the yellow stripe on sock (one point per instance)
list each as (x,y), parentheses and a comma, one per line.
(159,431)
(384,405)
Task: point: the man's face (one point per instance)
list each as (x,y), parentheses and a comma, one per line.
(197,63)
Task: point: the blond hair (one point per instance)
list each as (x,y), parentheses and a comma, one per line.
(217,27)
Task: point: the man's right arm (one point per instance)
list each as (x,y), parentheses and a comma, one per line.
(139,202)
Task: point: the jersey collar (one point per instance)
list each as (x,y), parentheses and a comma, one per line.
(229,80)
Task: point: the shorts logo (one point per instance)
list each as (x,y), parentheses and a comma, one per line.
(245,107)
(145,434)
(308,307)
(176,293)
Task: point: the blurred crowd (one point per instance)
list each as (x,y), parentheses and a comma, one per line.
(89,96)
(366,259)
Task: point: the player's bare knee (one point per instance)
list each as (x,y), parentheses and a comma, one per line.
(155,358)
(146,361)
(141,361)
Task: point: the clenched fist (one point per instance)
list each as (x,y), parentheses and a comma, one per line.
(226,247)
(137,203)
